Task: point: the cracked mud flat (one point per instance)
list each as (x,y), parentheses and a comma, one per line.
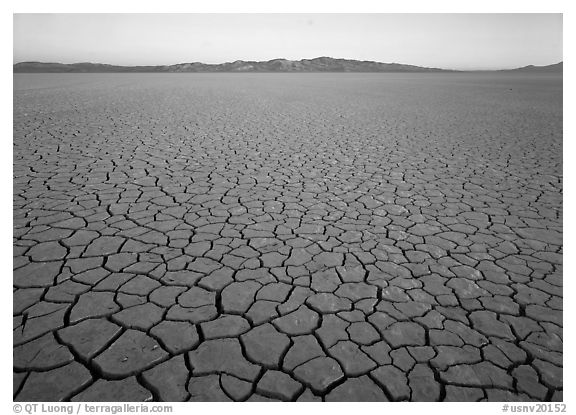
(216,237)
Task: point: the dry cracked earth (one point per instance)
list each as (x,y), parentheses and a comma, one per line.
(287,237)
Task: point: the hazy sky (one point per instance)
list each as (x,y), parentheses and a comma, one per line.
(459,41)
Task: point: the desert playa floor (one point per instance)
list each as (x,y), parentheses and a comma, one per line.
(287,237)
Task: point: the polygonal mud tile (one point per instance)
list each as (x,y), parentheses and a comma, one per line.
(206,389)
(125,390)
(104,245)
(363,333)
(41,354)
(43,317)
(222,356)
(169,379)
(225,326)
(176,336)
(192,315)
(259,398)
(89,337)
(362,389)
(353,360)
(278,385)
(462,394)
(301,321)
(527,381)
(404,334)
(402,359)
(239,296)
(181,278)
(424,386)
(66,291)
(165,296)
(328,303)
(265,345)
(37,274)
(196,297)
(379,352)
(498,395)
(131,353)
(477,375)
(262,311)
(118,262)
(237,389)
(217,279)
(142,316)
(47,251)
(24,298)
(422,354)
(308,396)
(393,380)
(93,304)
(356,291)
(140,285)
(325,280)
(332,330)
(450,355)
(54,385)
(319,373)
(413,309)
(274,292)
(486,322)
(551,375)
(111,282)
(304,348)
(262,275)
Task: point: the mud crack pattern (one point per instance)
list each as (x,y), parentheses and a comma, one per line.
(287,237)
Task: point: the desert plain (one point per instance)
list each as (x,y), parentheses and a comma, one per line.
(287,237)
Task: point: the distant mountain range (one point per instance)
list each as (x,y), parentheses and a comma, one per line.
(323,64)
(557,67)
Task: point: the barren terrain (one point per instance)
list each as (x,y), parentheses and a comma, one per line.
(287,237)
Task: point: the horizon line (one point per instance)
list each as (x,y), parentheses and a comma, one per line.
(285,59)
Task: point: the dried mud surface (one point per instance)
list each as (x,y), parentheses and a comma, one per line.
(287,237)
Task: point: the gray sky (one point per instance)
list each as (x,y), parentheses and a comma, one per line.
(458,41)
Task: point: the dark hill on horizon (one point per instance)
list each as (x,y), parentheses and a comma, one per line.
(556,67)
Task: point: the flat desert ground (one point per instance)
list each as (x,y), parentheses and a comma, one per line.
(287,237)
